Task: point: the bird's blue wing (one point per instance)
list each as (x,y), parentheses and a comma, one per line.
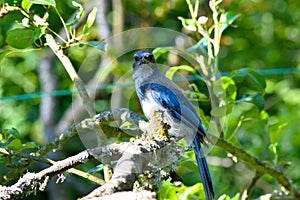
(163,97)
(167,99)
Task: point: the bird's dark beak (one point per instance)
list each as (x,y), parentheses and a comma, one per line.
(144,61)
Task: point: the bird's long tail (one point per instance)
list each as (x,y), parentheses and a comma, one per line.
(204,171)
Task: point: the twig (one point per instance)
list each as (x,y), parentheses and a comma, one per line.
(141,194)
(117,150)
(86,176)
(121,114)
(31,181)
(6,9)
(246,193)
(132,161)
(72,73)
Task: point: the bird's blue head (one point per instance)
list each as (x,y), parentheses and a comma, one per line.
(143,57)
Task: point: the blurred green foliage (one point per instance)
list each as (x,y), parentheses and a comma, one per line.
(263,109)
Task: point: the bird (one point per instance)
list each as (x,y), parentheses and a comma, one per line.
(158,93)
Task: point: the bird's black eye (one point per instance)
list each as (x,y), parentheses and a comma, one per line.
(149,57)
(136,58)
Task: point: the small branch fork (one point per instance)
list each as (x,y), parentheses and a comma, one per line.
(133,159)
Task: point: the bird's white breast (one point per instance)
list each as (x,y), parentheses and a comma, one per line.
(150,106)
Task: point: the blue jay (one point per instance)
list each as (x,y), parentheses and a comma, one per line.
(158,93)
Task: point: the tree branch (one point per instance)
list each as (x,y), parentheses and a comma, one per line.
(31,181)
(72,73)
(260,166)
(134,158)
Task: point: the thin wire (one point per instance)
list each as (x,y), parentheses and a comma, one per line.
(108,87)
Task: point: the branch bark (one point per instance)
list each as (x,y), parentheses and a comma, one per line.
(134,158)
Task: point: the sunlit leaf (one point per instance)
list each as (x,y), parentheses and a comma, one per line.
(90,21)
(230,88)
(170,73)
(4,54)
(189,24)
(15,144)
(275,148)
(227,19)
(44,2)
(192,190)
(236,197)
(20,38)
(26,5)
(79,14)
(157,52)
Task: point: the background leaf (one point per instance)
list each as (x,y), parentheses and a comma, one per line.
(90,21)
(20,38)
(226,19)
(256,99)
(44,2)
(170,72)
(26,5)
(250,79)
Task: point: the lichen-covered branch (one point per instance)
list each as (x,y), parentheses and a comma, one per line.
(31,181)
(121,114)
(148,154)
(133,158)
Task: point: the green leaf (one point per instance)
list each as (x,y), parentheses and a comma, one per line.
(275,148)
(20,38)
(5,53)
(161,50)
(26,5)
(250,79)
(235,118)
(200,48)
(276,131)
(99,45)
(230,88)
(79,14)
(90,21)
(29,145)
(15,144)
(236,197)
(219,111)
(13,132)
(44,2)
(194,189)
(227,19)
(170,73)
(38,32)
(189,24)
(168,191)
(256,99)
